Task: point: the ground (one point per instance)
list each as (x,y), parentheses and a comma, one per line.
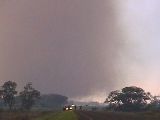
(67,115)
(84,115)
(79,115)
(52,115)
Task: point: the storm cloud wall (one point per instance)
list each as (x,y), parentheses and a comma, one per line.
(70,47)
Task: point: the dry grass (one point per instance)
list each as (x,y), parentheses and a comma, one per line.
(121,115)
(154,115)
(5,115)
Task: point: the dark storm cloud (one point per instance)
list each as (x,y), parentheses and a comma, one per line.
(63,46)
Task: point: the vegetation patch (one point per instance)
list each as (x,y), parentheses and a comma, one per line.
(67,115)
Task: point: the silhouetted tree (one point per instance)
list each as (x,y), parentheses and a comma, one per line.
(155,103)
(114,100)
(29,96)
(128,99)
(8,93)
(1,92)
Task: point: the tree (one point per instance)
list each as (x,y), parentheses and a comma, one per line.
(155,103)
(8,93)
(29,96)
(128,99)
(114,100)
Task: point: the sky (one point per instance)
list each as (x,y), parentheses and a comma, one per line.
(80,48)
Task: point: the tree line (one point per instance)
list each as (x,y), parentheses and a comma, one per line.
(132,99)
(28,96)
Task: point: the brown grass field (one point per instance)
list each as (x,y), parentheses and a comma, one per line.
(82,115)
(5,115)
(85,115)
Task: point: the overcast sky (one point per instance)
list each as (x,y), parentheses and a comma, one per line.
(80,48)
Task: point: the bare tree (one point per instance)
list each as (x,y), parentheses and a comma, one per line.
(29,96)
(8,93)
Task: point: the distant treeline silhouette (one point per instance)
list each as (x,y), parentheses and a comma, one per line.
(28,95)
(132,99)
(28,98)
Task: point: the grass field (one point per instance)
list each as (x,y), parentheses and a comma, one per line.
(5,115)
(79,115)
(84,115)
(68,115)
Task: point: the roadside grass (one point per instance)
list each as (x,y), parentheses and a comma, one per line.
(17,115)
(103,115)
(70,115)
(67,115)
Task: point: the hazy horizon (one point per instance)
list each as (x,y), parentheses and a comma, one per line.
(82,49)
